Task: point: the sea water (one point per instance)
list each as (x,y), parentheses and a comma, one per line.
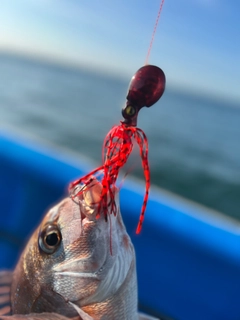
(194,140)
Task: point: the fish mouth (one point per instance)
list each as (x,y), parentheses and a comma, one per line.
(75,286)
(76,274)
(88,197)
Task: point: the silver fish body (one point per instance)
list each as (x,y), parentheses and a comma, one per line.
(76,265)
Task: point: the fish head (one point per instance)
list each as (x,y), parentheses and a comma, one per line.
(73,257)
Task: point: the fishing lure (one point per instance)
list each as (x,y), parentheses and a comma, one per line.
(145,89)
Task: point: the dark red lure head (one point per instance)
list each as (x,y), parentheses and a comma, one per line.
(145,89)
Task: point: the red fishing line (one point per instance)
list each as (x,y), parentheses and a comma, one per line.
(154,31)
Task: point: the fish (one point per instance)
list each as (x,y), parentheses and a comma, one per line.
(75,266)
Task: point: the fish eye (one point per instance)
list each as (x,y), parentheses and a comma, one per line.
(49,238)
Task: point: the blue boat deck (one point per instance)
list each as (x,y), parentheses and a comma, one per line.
(188,258)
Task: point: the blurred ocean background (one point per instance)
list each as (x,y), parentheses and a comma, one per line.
(193,137)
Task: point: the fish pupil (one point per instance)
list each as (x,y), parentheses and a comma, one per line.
(52,239)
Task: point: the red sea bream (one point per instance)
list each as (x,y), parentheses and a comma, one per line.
(74,267)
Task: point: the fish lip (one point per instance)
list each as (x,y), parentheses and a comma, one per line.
(77,274)
(88,212)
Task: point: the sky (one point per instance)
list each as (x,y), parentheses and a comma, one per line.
(197,42)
